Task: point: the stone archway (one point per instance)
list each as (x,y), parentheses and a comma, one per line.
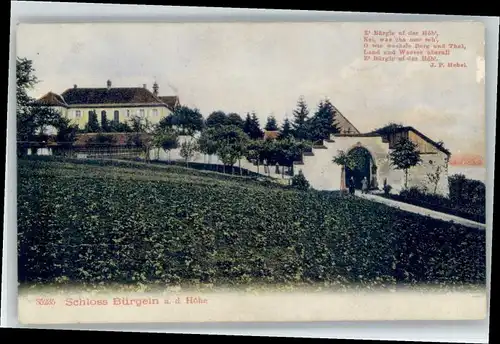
(363,165)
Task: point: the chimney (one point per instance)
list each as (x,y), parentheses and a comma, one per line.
(155,89)
(74,86)
(109,84)
(144,85)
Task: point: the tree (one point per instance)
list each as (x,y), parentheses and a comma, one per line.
(144,135)
(166,139)
(322,124)
(92,126)
(270,153)
(188,150)
(271,124)
(287,151)
(247,125)
(186,119)
(300,116)
(389,128)
(66,132)
(32,121)
(206,142)
(300,182)
(216,118)
(35,121)
(404,156)
(345,161)
(119,127)
(25,81)
(255,132)
(101,139)
(434,178)
(105,124)
(167,122)
(236,120)
(230,144)
(286,130)
(254,152)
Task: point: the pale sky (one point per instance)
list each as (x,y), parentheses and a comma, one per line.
(265,67)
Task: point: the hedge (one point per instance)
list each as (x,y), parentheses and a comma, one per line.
(116,224)
(466,199)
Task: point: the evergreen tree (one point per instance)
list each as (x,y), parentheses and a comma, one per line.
(255,130)
(247,125)
(322,124)
(286,129)
(300,182)
(300,115)
(271,124)
(92,125)
(105,124)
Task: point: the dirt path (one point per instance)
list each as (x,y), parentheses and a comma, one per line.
(422,211)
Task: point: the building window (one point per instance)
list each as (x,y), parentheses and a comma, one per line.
(103,116)
(141,112)
(116,116)
(155,112)
(78,113)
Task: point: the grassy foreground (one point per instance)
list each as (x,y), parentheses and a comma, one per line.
(102,222)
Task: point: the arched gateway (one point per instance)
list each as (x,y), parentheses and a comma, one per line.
(362,164)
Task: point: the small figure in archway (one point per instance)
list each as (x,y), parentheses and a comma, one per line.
(364,185)
(351,185)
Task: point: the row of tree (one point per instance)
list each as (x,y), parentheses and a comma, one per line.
(229,142)
(188,121)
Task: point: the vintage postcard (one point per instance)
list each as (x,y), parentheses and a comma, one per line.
(217,172)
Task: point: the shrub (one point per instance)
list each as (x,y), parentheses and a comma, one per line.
(387,188)
(464,191)
(300,182)
(101,139)
(465,200)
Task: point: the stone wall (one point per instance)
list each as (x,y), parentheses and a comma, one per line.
(419,175)
(323,174)
(208,159)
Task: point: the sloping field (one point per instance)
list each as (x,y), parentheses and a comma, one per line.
(127,223)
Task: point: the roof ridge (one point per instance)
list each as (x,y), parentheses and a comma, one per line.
(115,95)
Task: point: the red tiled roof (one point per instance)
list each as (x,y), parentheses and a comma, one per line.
(120,138)
(51,99)
(268,134)
(171,101)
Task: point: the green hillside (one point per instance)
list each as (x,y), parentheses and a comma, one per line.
(108,222)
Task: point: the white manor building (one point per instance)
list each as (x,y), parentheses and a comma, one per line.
(116,103)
